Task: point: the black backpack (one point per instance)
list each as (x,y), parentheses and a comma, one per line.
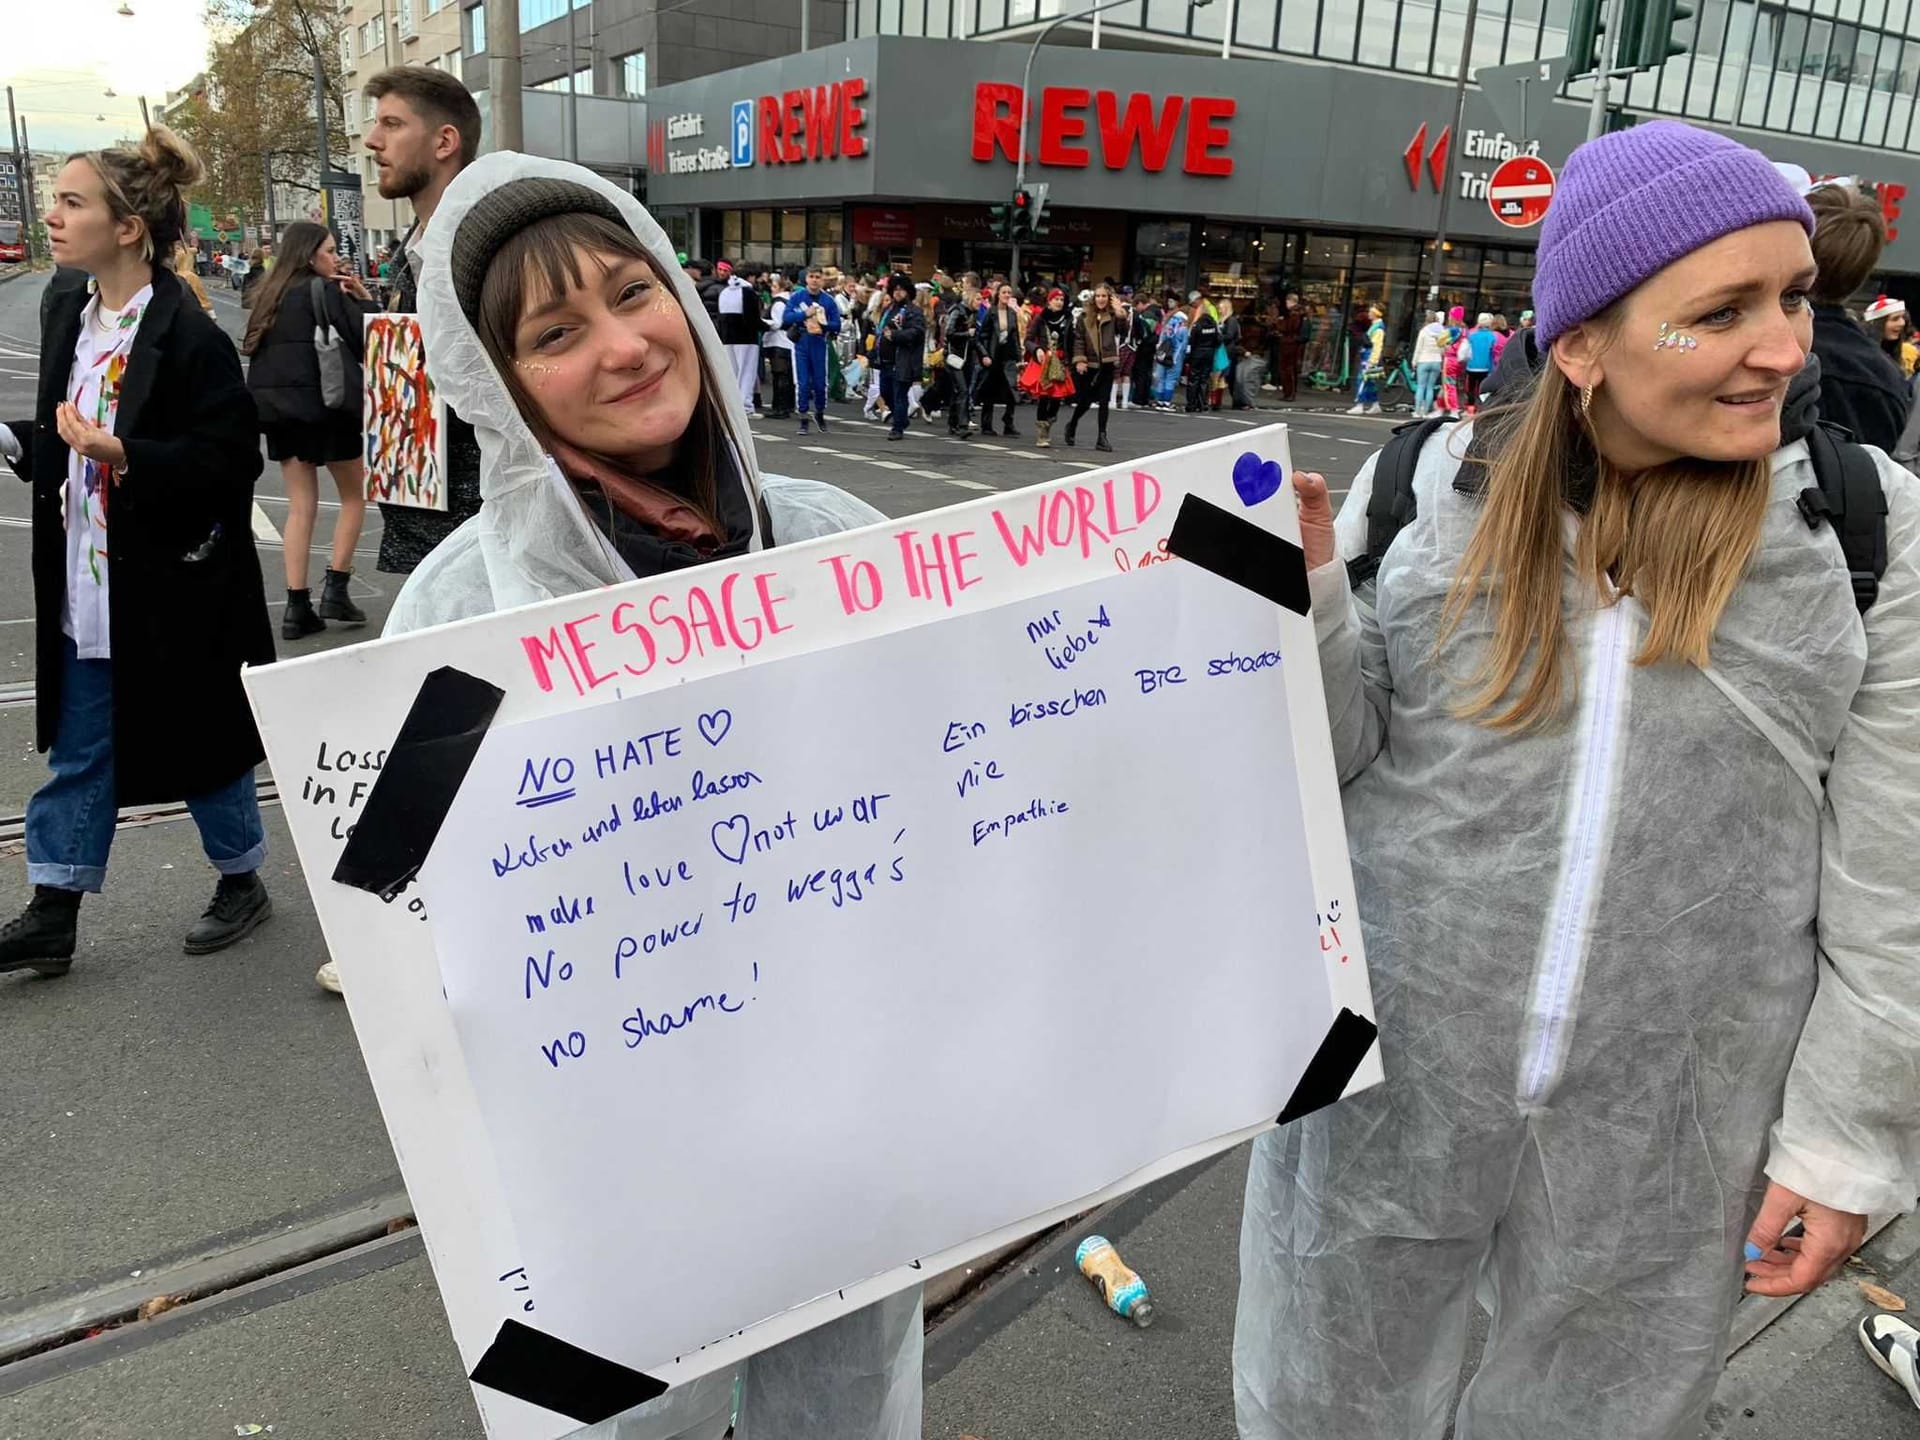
(1848,496)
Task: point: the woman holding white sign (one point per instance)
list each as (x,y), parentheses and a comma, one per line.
(1633,793)
(614,448)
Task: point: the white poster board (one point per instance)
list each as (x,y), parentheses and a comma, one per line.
(881,899)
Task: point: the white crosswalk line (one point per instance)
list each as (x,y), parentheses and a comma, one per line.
(777,439)
(820,449)
(931,474)
(1345,440)
(967,484)
(887,464)
(263,528)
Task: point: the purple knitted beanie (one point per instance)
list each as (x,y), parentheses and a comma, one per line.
(1630,204)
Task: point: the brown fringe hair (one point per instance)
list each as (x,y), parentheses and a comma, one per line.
(1677,538)
(543,261)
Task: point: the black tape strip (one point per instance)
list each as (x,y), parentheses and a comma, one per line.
(543,1370)
(1346,1044)
(1239,550)
(422,774)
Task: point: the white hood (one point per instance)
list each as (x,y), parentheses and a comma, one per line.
(535,538)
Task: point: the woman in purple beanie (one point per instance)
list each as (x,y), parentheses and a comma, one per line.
(1632,788)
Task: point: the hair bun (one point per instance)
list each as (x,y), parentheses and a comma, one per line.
(171,159)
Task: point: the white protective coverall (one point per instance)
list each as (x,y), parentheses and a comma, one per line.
(857,1378)
(1607,960)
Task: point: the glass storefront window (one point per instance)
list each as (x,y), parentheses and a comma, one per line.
(824,230)
(1162,248)
(732,235)
(1326,266)
(1383,275)
(1228,262)
(791,247)
(1506,283)
(758,249)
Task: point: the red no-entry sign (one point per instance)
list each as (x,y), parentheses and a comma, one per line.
(1520,191)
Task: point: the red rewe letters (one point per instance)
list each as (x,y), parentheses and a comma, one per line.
(1125,124)
(823,123)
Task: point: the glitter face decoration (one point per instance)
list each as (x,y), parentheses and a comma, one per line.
(1674,339)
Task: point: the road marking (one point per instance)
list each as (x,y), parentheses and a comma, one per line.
(966,484)
(983,445)
(936,475)
(1345,440)
(885,464)
(1313,435)
(16,523)
(779,439)
(1083,464)
(263,528)
(820,449)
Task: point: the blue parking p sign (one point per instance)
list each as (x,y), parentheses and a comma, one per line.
(743,132)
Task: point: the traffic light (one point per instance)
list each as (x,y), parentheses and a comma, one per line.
(1584,55)
(1001,221)
(1037,226)
(1020,217)
(1651,41)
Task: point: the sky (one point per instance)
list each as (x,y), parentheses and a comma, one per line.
(61,56)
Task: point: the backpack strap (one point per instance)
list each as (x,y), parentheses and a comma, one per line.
(1850,497)
(1390,508)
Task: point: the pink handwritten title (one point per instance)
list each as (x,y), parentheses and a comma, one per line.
(742,611)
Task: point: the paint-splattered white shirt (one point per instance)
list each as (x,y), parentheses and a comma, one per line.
(93,386)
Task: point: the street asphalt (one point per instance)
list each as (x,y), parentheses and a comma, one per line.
(162,1115)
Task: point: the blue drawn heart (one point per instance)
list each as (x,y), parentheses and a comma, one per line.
(735,833)
(1256,479)
(714,727)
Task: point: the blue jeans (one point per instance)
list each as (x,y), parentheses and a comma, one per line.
(1368,392)
(70,818)
(897,388)
(1426,385)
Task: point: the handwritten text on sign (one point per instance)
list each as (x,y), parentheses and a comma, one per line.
(704,945)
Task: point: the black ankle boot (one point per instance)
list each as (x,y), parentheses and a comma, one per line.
(334,604)
(240,905)
(1102,443)
(300,621)
(42,938)
(1006,427)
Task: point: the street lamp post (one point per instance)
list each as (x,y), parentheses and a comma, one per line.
(1026,89)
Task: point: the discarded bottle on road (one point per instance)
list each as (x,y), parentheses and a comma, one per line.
(1124,1291)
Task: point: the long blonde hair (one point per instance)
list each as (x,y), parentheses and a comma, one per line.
(1677,538)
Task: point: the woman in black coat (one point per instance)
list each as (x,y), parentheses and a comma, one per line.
(302,433)
(143,423)
(900,351)
(1000,344)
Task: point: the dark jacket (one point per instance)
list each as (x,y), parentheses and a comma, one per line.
(408,533)
(186,609)
(1860,388)
(1000,340)
(958,328)
(284,373)
(1049,331)
(901,346)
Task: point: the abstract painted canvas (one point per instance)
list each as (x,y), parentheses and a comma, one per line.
(406,423)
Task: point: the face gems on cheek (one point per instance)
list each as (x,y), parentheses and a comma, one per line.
(537,370)
(1674,339)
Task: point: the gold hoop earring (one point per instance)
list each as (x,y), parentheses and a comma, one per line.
(1586,400)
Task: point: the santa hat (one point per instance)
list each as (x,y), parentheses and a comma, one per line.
(1884,306)
(1056,294)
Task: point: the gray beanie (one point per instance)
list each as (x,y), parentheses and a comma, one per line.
(507,211)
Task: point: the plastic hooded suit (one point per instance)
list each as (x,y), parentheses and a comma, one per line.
(857,1378)
(1625,970)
